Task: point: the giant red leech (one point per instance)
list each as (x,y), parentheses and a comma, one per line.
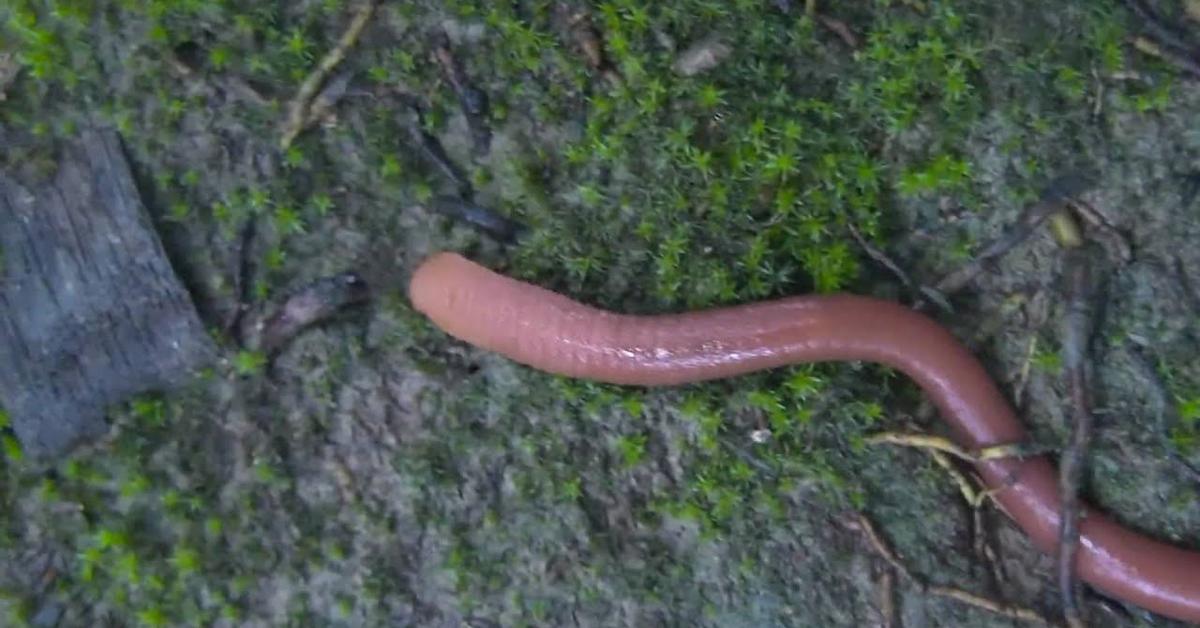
(550,332)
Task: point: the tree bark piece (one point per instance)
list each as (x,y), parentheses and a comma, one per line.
(91,312)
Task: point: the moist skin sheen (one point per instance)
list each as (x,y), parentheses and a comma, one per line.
(550,332)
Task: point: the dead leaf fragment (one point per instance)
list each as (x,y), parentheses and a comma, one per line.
(1192,8)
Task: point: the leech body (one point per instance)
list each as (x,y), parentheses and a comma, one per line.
(550,332)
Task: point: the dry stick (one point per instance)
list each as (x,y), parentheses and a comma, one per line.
(1053,200)
(1057,196)
(1180,60)
(864,525)
(322,105)
(1053,205)
(1109,236)
(1158,29)
(836,26)
(1023,374)
(472,101)
(882,258)
(978,601)
(435,153)
(298,108)
(972,495)
(839,28)
(1076,331)
(887,599)
(243,276)
(233,84)
(974,498)
(483,218)
(268,331)
(1163,42)
(591,44)
(945,445)
(1067,233)
(941,449)
(879,256)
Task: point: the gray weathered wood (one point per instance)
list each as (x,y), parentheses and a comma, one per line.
(91,312)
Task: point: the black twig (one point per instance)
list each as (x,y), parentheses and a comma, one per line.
(884,260)
(485,219)
(433,152)
(1054,199)
(473,101)
(269,331)
(244,277)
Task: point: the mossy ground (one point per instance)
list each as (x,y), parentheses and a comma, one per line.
(380,474)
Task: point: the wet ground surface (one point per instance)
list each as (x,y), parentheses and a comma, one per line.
(642,158)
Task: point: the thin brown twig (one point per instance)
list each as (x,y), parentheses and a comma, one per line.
(1076,331)
(244,90)
(321,108)
(298,114)
(878,255)
(1109,236)
(978,601)
(839,28)
(1180,60)
(887,599)
(591,43)
(1158,29)
(231,84)
(864,525)
(884,260)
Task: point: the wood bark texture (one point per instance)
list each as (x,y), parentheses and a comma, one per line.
(91,311)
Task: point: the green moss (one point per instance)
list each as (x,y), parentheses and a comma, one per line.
(247,363)
(663,193)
